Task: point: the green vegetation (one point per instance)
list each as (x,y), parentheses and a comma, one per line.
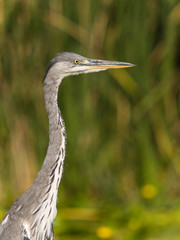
(122,172)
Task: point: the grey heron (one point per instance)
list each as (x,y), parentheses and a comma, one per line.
(32,214)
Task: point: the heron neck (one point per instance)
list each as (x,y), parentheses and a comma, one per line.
(57,134)
(43,193)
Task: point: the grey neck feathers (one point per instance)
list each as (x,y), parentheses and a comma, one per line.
(57,134)
(49,177)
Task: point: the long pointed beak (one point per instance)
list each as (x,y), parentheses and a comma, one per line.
(104,64)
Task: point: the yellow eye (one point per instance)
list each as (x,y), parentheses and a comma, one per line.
(76,61)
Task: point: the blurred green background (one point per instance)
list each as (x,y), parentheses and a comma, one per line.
(121,178)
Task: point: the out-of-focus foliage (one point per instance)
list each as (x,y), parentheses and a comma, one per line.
(122,172)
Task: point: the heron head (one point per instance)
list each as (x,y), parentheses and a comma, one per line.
(68,63)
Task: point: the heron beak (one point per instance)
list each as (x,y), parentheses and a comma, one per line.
(103,64)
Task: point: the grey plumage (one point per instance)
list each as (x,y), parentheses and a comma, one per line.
(32,214)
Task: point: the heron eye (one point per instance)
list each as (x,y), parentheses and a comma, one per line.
(76,61)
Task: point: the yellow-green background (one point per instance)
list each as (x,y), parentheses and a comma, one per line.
(121,178)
